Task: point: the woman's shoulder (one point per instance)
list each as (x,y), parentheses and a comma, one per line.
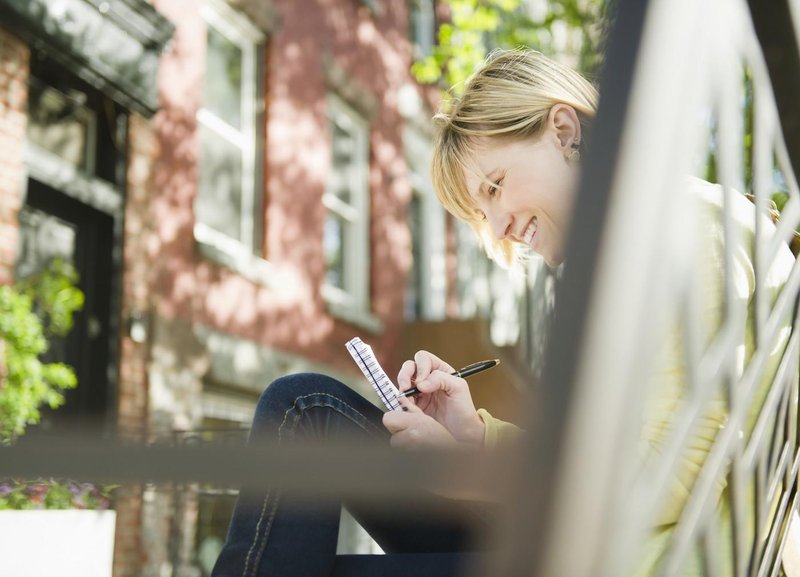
(715,195)
(741,207)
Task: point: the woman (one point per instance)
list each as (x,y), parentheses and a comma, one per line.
(505,162)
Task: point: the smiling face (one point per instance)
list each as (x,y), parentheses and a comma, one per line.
(530,200)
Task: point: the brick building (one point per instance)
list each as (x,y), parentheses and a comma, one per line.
(240,185)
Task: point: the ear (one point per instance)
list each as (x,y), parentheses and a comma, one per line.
(563,123)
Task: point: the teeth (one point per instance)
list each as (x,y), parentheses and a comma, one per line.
(527,236)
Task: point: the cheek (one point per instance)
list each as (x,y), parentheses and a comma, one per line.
(561,191)
(533,191)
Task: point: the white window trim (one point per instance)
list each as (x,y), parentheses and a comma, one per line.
(54,171)
(237,254)
(418,150)
(232,254)
(425,16)
(353,303)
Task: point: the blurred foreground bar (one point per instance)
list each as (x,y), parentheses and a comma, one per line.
(347,470)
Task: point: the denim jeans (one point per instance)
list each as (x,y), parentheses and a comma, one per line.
(273,534)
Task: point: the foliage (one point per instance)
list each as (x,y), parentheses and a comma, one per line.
(36,309)
(54,494)
(780,190)
(478,26)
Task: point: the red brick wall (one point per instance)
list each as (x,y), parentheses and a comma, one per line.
(136,275)
(14,71)
(164,274)
(373,51)
(129,554)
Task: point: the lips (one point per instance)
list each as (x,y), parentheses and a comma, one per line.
(530,230)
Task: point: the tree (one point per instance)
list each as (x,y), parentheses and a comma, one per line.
(33,311)
(478,26)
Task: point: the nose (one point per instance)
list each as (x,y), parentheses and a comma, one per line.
(500,222)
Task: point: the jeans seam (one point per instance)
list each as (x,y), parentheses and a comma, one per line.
(255,537)
(267,528)
(345,403)
(274,509)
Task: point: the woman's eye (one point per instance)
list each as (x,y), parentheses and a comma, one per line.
(495,188)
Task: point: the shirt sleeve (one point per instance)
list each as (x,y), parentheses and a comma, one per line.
(497,433)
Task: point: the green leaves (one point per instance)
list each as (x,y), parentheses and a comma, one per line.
(54,494)
(55,296)
(37,308)
(479,26)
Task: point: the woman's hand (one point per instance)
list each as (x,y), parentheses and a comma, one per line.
(444,397)
(412,429)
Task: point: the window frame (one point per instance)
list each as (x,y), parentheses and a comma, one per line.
(352,301)
(432,228)
(422,27)
(230,251)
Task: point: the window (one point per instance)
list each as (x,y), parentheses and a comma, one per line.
(426,283)
(63,124)
(346,200)
(74,124)
(473,272)
(422,26)
(487,290)
(228,206)
(415,290)
(427,279)
(214,504)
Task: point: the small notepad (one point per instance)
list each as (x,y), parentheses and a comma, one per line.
(365,359)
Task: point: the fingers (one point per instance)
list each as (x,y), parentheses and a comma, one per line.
(396,421)
(427,362)
(406,375)
(443,381)
(415,430)
(409,405)
(411,372)
(407,439)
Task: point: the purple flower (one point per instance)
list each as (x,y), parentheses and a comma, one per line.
(57,493)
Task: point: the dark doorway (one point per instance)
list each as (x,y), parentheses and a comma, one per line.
(54,225)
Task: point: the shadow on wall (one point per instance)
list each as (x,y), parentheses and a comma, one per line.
(461,342)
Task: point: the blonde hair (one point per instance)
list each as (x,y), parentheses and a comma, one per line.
(509,97)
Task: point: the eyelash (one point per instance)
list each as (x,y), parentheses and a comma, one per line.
(495,188)
(492,192)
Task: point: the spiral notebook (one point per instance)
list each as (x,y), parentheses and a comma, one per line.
(365,359)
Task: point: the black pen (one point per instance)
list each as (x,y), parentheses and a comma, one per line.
(467,371)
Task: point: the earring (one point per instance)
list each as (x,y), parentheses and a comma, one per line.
(575,155)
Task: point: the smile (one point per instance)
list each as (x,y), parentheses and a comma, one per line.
(527,235)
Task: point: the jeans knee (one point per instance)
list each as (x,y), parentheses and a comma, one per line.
(284,391)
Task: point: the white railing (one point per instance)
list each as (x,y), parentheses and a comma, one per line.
(651,302)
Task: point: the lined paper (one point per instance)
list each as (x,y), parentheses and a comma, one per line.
(365,359)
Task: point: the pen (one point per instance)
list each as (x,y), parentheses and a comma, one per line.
(467,371)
